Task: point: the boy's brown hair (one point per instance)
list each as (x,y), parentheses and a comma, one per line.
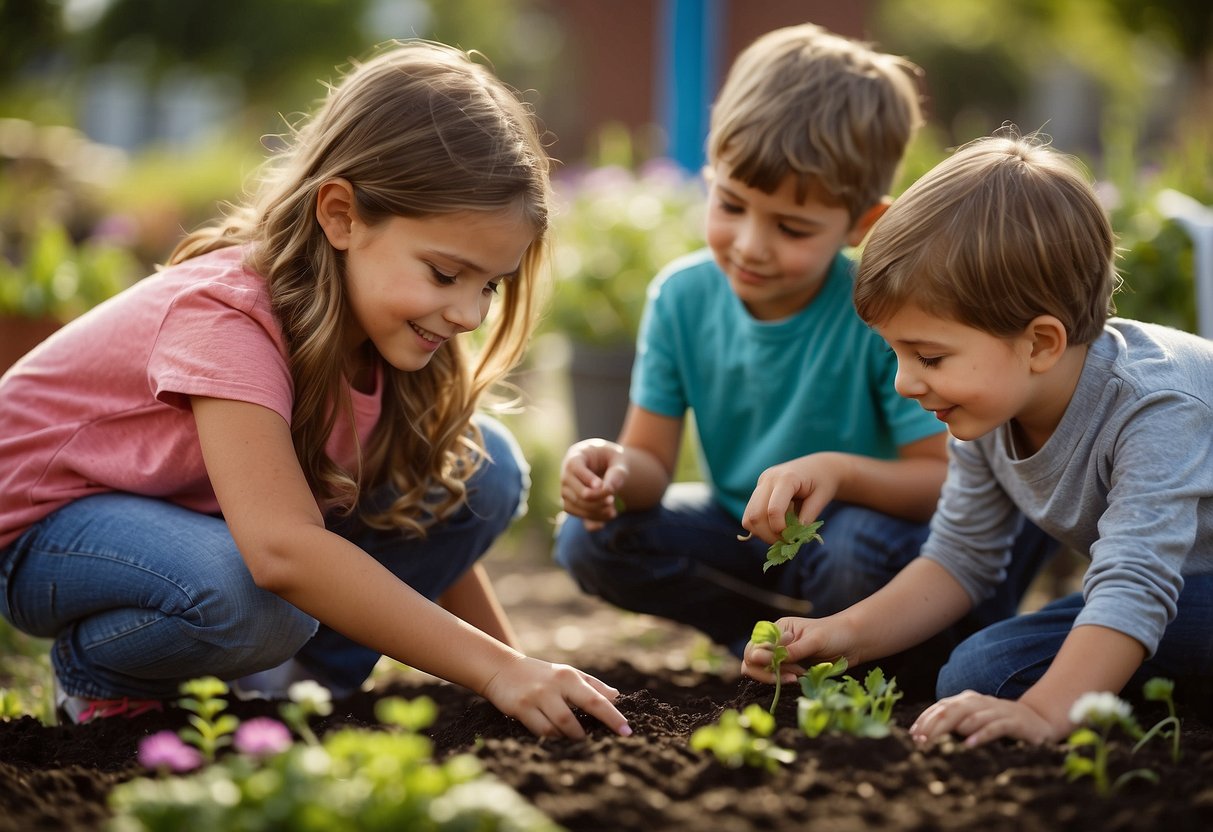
(1004,230)
(834,112)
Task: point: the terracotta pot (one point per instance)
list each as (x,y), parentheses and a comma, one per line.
(20,335)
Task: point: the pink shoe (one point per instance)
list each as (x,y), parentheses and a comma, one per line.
(77,710)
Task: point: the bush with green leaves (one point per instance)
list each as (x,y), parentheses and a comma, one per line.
(355,779)
(61,279)
(616,228)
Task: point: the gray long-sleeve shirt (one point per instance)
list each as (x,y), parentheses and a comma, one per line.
(1127,478)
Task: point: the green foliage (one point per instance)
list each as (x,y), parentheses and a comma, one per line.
(616,228)
(845,706)
(357,779)
(211,727)
(742,739)
(794,535)
(1159,689)
(767,632)
(11,705)
(25,672)
(1097,738)
(60,279)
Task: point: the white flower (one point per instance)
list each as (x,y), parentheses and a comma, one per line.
(311,694)
(1100,708)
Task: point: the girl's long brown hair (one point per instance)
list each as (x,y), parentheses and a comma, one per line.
(420,129)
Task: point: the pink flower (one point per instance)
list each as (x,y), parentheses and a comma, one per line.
(261,737)
(164,749)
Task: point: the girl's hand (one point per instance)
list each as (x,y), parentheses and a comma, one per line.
(540,695)
(809,481)
(592,473)
(980,718)
(808,641)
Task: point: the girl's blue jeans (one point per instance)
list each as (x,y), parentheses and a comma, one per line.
(682,560)
(139,594)
(1007,658)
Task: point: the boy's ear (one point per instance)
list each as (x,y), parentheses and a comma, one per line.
(1049,341)
(335,211)
(865,222)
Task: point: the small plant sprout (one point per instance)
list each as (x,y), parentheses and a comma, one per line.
(306,699)
(211,727)
(1159,689)
(741,739)
(845,705)
(767,632)
(794,535)
(1098,714)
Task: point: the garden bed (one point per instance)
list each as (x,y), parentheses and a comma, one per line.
(58,777)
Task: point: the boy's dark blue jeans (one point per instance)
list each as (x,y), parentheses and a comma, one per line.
(683,561)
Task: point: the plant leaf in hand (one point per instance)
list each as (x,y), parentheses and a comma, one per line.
(794,535)
(768,632)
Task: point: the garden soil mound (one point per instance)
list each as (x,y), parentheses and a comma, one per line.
(59,777)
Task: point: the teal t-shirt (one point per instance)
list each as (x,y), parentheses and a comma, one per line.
(765,392)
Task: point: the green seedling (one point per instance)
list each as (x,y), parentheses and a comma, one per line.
(211,728)
(1159,689)
(741,739)
(794,535)
(767,632)
(306,699)
(844,705)
(1097,714)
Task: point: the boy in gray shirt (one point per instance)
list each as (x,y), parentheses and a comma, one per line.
(991,279)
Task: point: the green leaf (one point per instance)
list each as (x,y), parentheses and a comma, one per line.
(794,535)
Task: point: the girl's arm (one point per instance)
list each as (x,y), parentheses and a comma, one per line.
(1092,658)
(472,598)
(280,531)
(906,487)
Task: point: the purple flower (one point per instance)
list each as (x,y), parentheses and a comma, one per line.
(164,749)
(261,737)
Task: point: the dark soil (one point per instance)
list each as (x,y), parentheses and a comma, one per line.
(58,777)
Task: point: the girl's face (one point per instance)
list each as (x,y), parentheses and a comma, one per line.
(774,250)
(971,380)
(415,283)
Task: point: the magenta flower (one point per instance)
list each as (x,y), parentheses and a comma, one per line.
(165,750)
(261,737)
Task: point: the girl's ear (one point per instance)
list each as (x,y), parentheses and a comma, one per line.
(335,211)
(1049,340)
(865,222)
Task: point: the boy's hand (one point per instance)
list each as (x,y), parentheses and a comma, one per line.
(808,482)
(592,473)
(541,695)
(808,641)
(980,718)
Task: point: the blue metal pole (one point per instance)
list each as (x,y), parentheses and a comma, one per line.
(689,49)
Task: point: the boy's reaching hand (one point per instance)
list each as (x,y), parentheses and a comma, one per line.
(805,485)
(541,696)
(980,718)
(592,472)
(808,641)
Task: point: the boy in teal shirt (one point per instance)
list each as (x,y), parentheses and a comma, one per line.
(757,339)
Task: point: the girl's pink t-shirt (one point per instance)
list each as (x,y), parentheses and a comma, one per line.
(103,404)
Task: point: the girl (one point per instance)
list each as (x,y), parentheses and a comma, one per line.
(267,452)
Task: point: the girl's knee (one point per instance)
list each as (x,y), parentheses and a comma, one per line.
(502,484)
